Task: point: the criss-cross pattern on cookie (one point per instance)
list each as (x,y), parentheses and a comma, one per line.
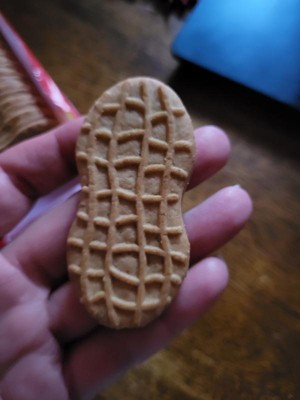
(139,195)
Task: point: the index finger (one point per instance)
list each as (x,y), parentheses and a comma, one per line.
(37,166)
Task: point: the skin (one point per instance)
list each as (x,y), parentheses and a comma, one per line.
(49,347)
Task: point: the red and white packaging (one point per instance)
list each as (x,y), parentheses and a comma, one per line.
(62,108)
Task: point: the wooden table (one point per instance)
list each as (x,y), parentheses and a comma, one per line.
(248,345)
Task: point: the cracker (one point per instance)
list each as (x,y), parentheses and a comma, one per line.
(22,111)
(127,245)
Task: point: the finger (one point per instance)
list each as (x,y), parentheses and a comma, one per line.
(40,251)
(68,318)
(212,153)
(209,225)
(97,360)
(214,222)
(33,168)
(37,166)
(14,287)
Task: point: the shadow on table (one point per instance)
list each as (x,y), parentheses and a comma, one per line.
(230,105)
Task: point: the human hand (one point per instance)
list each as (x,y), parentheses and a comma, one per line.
(50,347)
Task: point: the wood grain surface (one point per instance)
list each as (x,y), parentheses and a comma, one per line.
(248,345)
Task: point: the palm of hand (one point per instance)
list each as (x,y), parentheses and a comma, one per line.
(49,347)
(29,352)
